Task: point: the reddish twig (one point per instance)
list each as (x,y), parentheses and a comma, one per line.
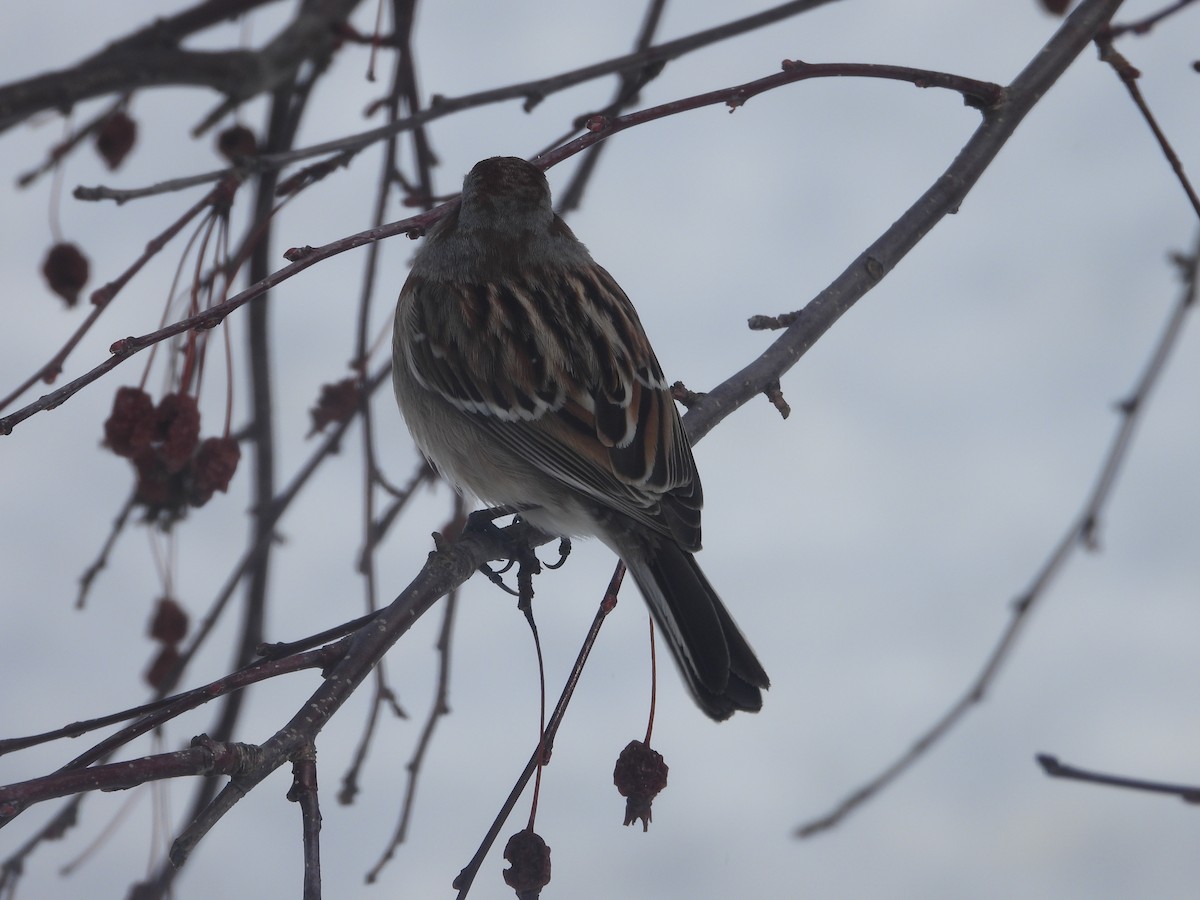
(614,586)
(1129,76)
(444,570)
(127,347)
(982,95)
(204,757)
(151,715)
(381,526)
(462,883)
(103,295)
(626,94)
(279,504)
(532,92)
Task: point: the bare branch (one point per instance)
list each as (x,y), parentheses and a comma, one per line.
(531,91)
(943,198)
(152,58)
(1080,533)
(1129,76)
(205,757)
(987,142)
(445,570)
(1188,793)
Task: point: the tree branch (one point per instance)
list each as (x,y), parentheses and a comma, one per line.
(943,197)
(151,57)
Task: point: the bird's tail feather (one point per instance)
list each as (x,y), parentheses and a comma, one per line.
(717,663)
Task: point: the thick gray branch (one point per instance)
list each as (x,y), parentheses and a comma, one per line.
(151,57)
(941,199)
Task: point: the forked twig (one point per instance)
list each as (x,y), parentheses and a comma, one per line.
(1080,533)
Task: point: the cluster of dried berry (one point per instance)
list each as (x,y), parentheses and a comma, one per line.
(175,468)
(338,403)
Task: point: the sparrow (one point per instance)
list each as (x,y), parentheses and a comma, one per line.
(527,380)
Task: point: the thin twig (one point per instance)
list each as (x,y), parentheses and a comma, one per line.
(1188,793)
(15,798)
(530,91)
(462,883)
(439,708)
(102,296)
(1129,76)
(63,148)
(97,566)
(945,196)
(127,347)
(1079,533)
(444,570)
(1145,25)
(626,94)
(278,505)
(383,694)
(455,563)
(987,95)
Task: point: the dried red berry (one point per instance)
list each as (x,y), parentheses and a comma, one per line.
(161,668)
(237,142)
(115,138)
(66,271)
(529,871)
(337,403)
(640,775)
(132,423)
(178,429)
(169,624)
(213,468)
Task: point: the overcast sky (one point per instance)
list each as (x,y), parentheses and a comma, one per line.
(943,436)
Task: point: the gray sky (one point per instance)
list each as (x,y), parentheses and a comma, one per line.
(942,437)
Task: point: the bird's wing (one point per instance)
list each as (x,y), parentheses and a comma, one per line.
(556,366)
